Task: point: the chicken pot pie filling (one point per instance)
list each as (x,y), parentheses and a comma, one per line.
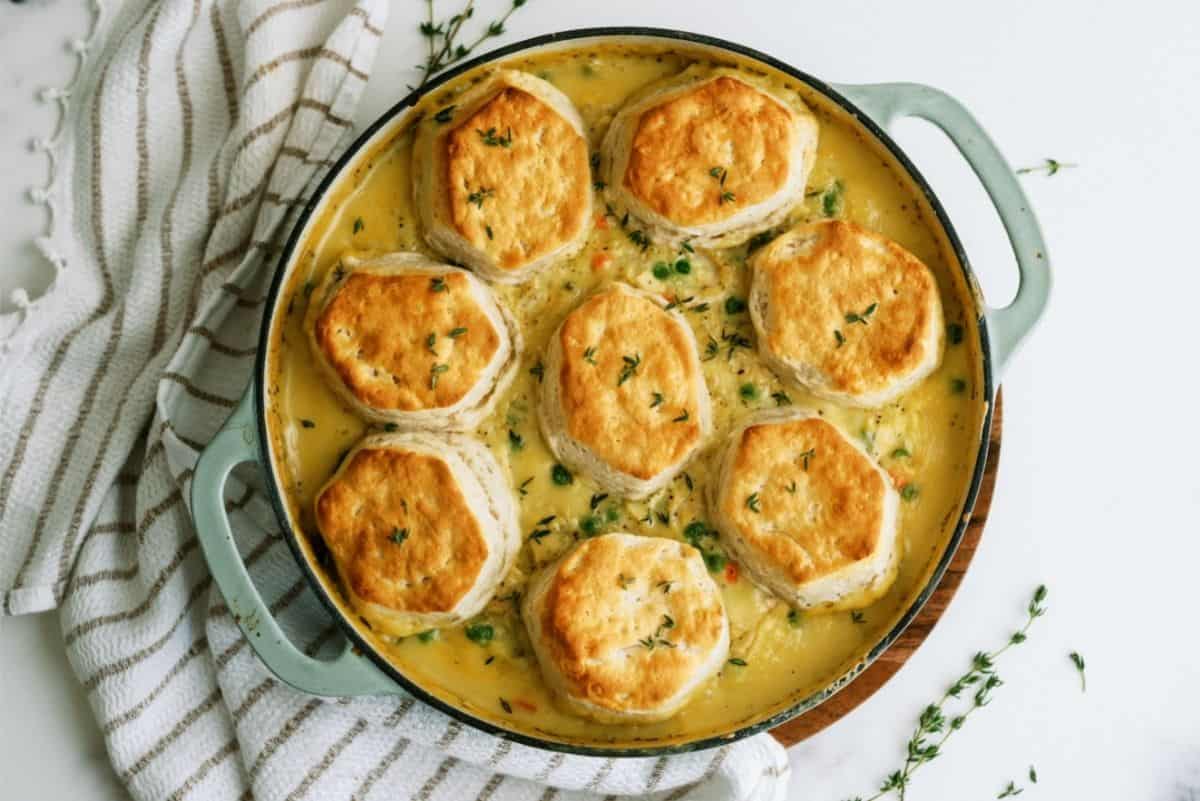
(926,441)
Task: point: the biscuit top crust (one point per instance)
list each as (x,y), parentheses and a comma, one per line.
(518,179)
(401,531)
(705,155)
(618,350)
(376,331)
(806,498)
(834,277)
(629,621)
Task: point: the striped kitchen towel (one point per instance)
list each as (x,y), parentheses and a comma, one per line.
(187,144)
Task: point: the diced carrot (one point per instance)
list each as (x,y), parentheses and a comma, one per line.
(528,706)
(600,260)
(602,222)
(731,572)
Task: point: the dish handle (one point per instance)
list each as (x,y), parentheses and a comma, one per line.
(347,673)
(1007,326)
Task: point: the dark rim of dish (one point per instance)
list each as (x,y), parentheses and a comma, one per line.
(276,493)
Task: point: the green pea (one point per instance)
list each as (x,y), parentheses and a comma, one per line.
(561,475)
(694,531)
(662,270)
(480,633)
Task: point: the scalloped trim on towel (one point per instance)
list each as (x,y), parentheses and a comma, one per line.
(13,324)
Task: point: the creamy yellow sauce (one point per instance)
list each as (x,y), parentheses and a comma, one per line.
(787,657)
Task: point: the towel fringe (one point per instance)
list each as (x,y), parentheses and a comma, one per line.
(44,195)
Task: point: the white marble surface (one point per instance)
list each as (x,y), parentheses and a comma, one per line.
(1099,493)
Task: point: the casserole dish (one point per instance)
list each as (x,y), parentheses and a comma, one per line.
(366,666)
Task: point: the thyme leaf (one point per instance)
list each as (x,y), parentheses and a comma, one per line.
(491,140)
(864,317)
(1077,661)
(630,369)
(734,341)
(435,372)
(1048,166)
(477,197)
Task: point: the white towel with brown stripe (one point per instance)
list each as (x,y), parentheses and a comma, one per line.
(189,141)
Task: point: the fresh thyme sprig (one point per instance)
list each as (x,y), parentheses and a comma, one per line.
(656,639)
(1010,790)
(443,46)
(1048,166)
(934,728)
(864,317)
(490,139)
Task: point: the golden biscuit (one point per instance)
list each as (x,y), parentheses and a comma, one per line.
(846,313)
(626,628)
(422,529)
(806,511)
(408,341)
(709,157)
(502,177)
(624,398)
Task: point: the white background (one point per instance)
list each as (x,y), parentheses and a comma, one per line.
(1099,490)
